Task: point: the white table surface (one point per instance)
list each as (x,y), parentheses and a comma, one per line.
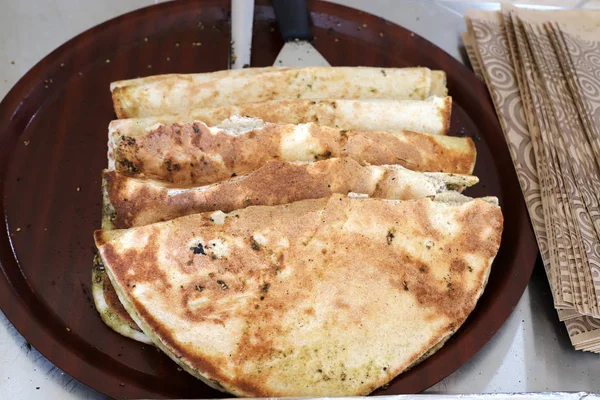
(531,352)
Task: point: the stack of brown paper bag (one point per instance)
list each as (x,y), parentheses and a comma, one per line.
(542,69)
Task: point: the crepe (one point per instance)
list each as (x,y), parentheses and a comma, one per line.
(427,116)
(177,93)
(196,154)
(136,202)
(251,302)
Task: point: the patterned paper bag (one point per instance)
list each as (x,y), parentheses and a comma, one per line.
(570,169)
(579,149)
(493,57)
(531,70)
(578,36)
(545,167)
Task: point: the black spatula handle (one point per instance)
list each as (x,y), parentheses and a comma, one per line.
(292,19)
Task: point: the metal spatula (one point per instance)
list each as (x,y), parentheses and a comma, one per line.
(292,19)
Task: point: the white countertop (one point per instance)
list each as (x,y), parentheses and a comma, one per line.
(530,353)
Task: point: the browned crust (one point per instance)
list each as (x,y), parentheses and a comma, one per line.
(449,298)
(415,151)
(113,302)
(137,202)
(191,154)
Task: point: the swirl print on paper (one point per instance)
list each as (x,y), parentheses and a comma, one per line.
(492,44)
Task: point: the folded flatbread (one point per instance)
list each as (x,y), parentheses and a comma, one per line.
(177,93)
(427,116)
(136,202)
(196,154)
(250,302)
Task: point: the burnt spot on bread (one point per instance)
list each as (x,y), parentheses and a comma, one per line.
(128,140)
(198,249)
(222,284)
(128,166)
(172,166)
(322,156)
(389,238)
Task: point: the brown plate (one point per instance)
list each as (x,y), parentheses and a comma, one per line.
(53,134)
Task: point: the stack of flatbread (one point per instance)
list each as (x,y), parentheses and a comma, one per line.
(291,232)
(542,70)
